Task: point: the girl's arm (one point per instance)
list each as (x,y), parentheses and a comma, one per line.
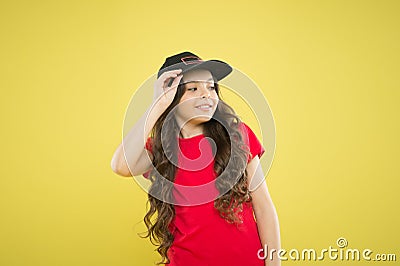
(265,213)
(131,157)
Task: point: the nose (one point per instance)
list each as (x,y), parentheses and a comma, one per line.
(205,92)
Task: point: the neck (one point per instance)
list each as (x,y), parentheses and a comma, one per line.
(189,130)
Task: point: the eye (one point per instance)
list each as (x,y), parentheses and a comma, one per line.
(212,88)
(192,89)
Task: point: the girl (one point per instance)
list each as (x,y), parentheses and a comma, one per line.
(203,164)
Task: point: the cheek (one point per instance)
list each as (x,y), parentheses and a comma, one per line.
(184,107)
(215,98)
(187,97)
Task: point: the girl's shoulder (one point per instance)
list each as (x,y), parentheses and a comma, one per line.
(251,140)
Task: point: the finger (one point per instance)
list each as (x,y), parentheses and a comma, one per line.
(167,82)
(169,74)
(179,70)
(176,81)
(174,85)
(172,81)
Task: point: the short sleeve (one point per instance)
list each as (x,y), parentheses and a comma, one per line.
(252,141)
(149,147)
(149,144)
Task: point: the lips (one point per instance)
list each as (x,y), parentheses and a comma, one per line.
(204,106)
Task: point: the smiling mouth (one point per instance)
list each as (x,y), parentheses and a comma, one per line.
(204,107)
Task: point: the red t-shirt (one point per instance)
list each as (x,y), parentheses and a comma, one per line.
(201,235)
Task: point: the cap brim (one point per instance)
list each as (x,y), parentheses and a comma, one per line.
(217,68)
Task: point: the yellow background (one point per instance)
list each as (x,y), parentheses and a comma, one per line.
(330,72)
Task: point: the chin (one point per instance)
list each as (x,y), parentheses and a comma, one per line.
(202,119)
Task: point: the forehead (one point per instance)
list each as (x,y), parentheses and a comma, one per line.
(197,75)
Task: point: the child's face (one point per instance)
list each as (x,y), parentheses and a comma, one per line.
(200,99)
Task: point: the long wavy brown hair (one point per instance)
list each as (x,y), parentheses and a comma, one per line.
(231,182)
